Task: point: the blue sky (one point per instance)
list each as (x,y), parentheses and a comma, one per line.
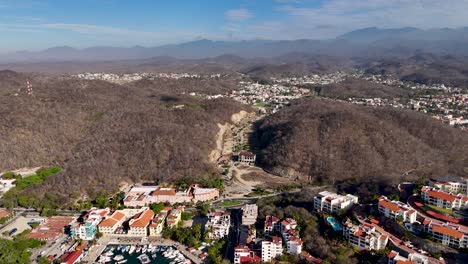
(38,24)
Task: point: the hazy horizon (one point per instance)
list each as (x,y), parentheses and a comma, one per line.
(33,26)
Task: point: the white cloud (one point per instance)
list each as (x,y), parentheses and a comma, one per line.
(240,14)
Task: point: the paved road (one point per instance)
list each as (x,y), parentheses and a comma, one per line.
(253,197)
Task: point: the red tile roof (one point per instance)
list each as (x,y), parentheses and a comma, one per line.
(164,192)
(143,219)
(4,213)
(447,231)
(442,195)
(72,257)
(389,205)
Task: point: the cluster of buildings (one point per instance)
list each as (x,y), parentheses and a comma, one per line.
(146,195)
(131,77)
(444,199)
(324,79)
(454,186)
(271,95)
(132,222)
(280,235)
(87,227)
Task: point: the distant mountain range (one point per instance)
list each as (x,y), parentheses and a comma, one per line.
(367,42)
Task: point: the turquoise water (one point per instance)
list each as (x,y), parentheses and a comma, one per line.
(133,258)
(336,226)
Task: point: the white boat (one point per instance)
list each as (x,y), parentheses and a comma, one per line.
(104,259)
(131,250)
(122,261)
(118,258)
(144,259)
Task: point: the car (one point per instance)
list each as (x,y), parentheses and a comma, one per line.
(13,231)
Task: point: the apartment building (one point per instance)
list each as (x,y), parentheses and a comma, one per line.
(294,245)
(140,222)
(86,229)
(364,236)
(110,224)
(452,235)
(174,217)
(249,214)
(272,223)
(444,199)
(395,209)
(460,186)
(272,249)
(331,202)
(157,224)
(218,224)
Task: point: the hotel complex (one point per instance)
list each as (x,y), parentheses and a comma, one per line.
(331,202)
(146,195)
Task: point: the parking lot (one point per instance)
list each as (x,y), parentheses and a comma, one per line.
(21,224)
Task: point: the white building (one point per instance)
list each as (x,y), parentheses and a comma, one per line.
(86,229)
(451,186)
(272,249)
(294,245)
(331,202)
(249,214)
(444,199)
(218,225)
(452,235)
(364,236)
(394,209)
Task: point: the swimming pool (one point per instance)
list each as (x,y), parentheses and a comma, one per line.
(336,226)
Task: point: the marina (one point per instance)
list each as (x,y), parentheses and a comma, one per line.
(144,254)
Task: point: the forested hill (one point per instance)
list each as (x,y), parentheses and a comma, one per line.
(328,141)
(102,134)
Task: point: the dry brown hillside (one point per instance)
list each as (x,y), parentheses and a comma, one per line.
(102,133)
(328,141)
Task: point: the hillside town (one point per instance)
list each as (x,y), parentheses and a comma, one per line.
(103,235)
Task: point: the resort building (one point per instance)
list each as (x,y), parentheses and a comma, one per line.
(243,255)
(394,257)
(395,209)
(249,214)
(146,195)
(364,236)
(86,229)
(444,199)
(110,224)
(140,222)
(272,223)
(218,225)
(157,225)
(272,249)
(452,235)
(460,186)
(247,157)
(331,202)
